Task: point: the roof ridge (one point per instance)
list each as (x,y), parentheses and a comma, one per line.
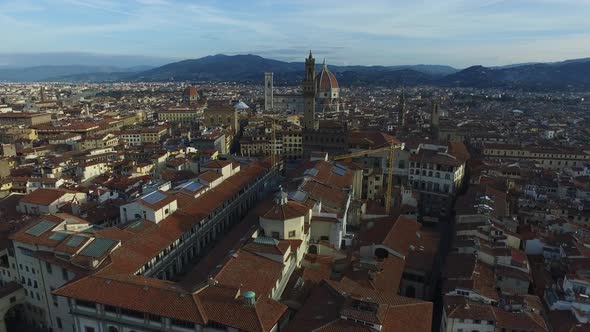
(173,287)
(258,319)
(335,320)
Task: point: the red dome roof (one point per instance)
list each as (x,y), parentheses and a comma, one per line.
(325,80)
(190,91)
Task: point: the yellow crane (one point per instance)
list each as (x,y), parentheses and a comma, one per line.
(273,139)
(364,153)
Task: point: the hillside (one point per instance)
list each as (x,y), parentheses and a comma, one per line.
(57,73)
(570,74)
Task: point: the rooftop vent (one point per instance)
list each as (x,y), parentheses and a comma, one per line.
(249,298)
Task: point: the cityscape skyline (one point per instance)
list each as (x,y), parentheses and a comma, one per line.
(457,33)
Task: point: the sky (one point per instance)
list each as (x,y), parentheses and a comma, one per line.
(459,33)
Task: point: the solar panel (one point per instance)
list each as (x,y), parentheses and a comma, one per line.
(58,236)
(193,186)
(98,247)
(75,241)
(153,197)
(338,171)
(268,241)
(299,196)
(339,165)
(311,171)
(40,228)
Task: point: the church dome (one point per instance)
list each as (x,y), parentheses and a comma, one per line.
(325,80)
(190,91)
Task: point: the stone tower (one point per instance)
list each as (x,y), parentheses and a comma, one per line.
(434,120)
(309,92)
(401,115)
(268,94)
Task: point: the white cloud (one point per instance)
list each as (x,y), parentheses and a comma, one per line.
(460,32)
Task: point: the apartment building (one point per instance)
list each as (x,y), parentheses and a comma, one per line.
(437,173)
(216,115)
(181,114)
(25,119)
(142,136)
(97,142)
(545,157)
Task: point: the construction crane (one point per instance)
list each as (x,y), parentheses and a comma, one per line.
(273,139)
(364,153)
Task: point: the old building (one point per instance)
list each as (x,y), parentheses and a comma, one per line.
(217,115)
(26,119)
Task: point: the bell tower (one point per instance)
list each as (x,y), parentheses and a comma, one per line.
(309,92)
(401,115)
(434,120)
(268,91)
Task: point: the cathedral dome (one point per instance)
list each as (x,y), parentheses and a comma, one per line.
(190,91)
(325,80)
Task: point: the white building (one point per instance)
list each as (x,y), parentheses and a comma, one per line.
(155,207)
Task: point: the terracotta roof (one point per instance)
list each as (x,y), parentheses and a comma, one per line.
(150,295)
(286,211)
(519,321)
(257,248)
(565,321)
(332,198)
(210,176)
(459,307)
(216,164)
(459,266)
(422,258)
(224,305)
(324,173)
(329,301)
(190,91)
(45,196)
(404,233)
(374,230)
(250,271)
(326,80)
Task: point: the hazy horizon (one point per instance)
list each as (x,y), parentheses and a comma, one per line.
(458,33)
(26,60)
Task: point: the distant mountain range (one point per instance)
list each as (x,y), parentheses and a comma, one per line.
(67,72)
(570,74)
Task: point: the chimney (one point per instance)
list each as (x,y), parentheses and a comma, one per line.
(282,197)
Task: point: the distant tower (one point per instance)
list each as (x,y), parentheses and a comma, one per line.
(309,92)
(434,120)
(42,94)
(268,87)
(401,115)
